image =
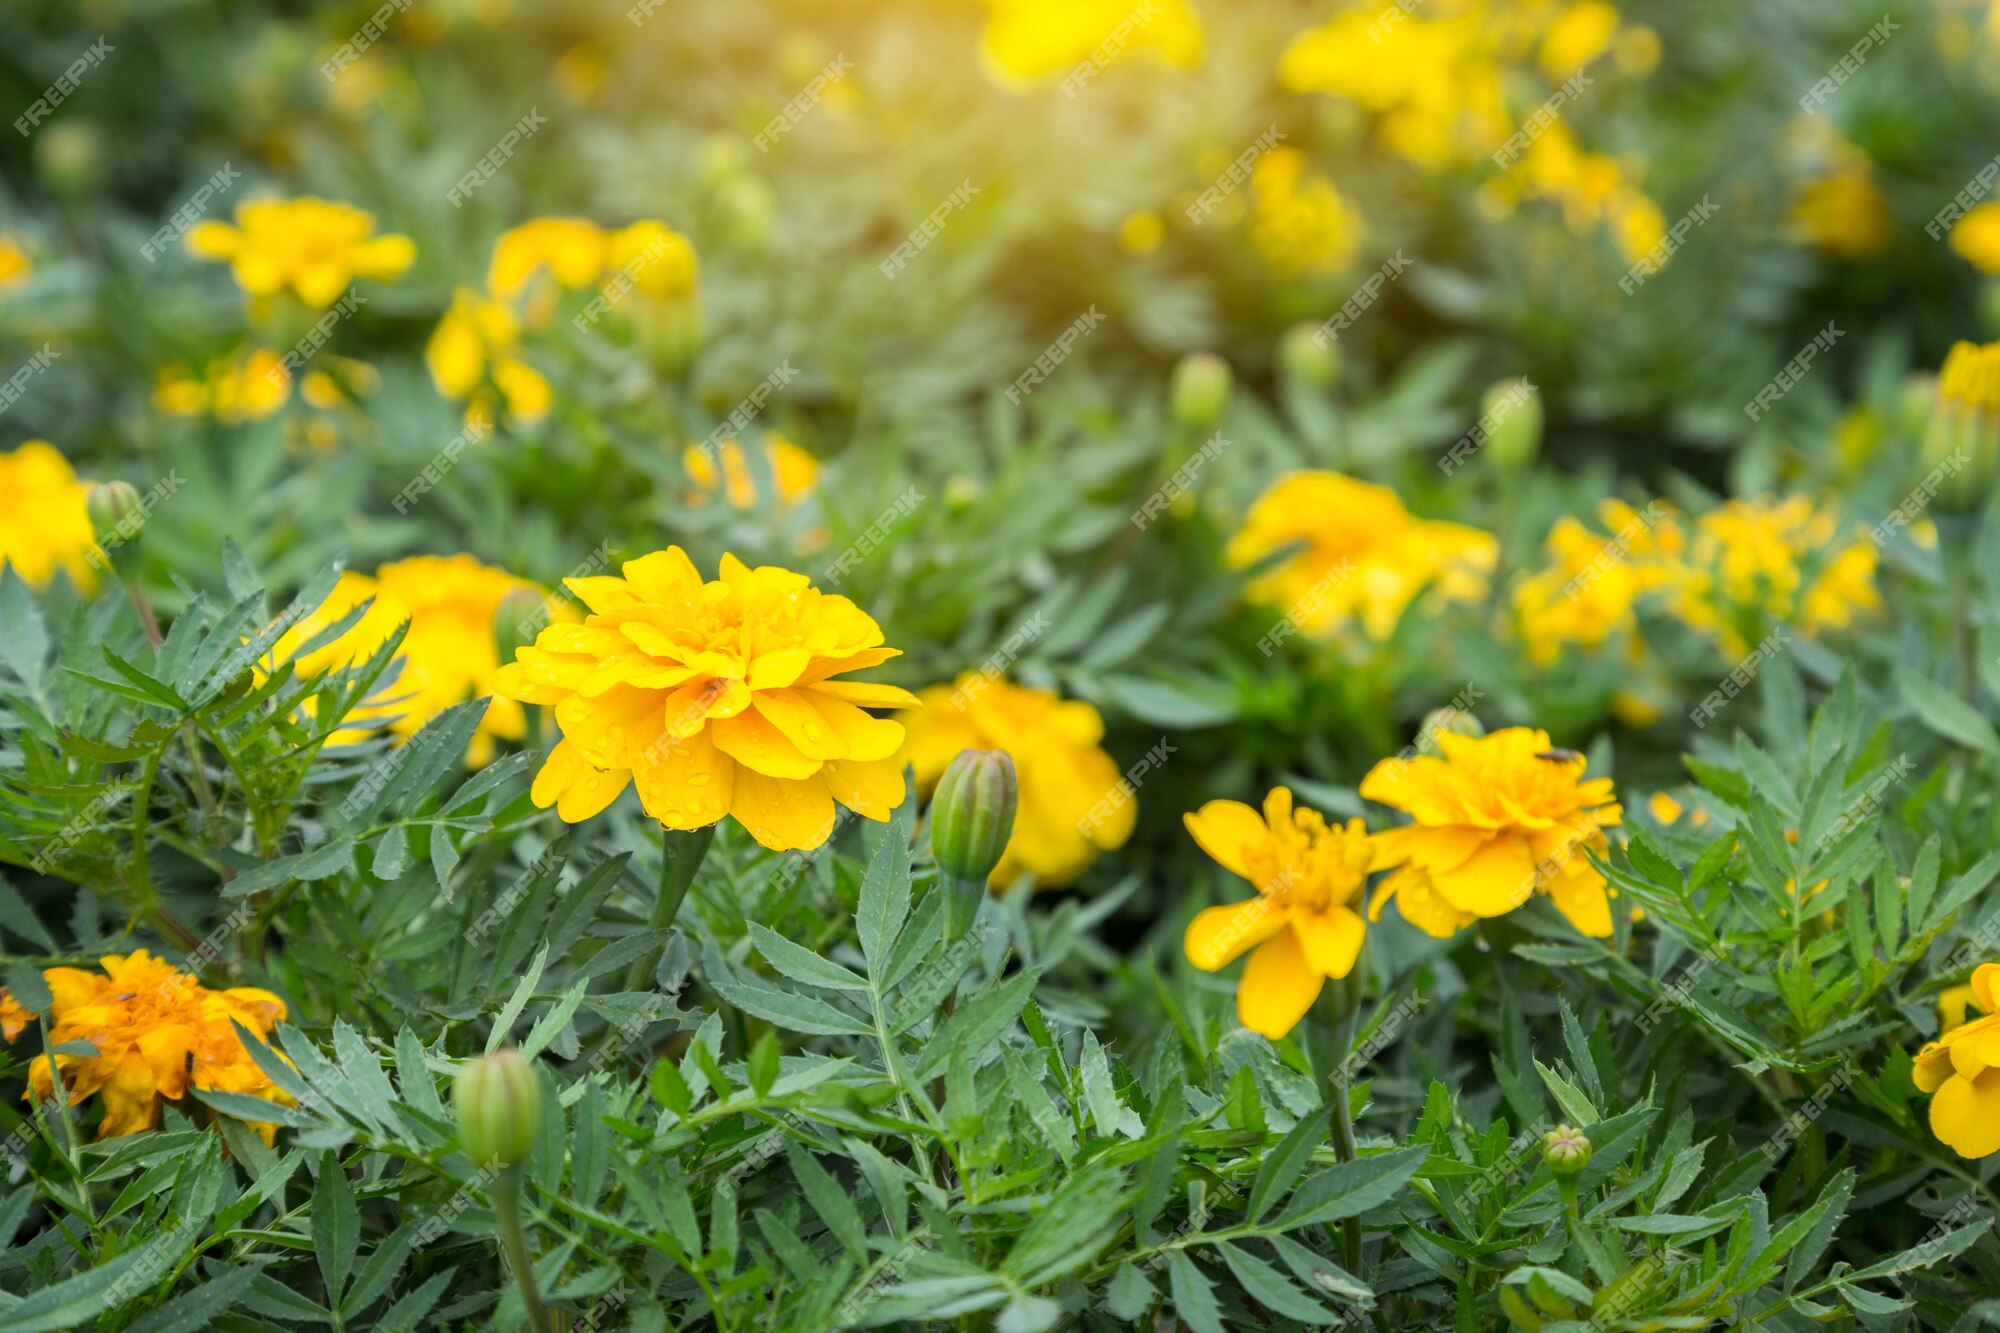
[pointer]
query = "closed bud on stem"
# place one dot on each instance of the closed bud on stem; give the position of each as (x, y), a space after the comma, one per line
(1961, 443)
(499, 1105)
(1200, 389)
(1309, 358)
(1566, 1151)
(1511, 413)
(972, 817)
(112, 506)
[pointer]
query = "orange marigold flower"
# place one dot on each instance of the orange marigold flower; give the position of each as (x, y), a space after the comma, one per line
(1962, 1071)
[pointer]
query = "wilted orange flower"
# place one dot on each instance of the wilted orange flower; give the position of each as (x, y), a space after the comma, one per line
(1497, 819)
(43, 523)
(1073, 803)
(714, 698)
(1302, 925)
(1366, 558)
(315, 247)
(1962, 1071)
(157, 1032)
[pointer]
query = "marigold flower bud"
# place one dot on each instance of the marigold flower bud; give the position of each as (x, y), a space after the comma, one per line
(1566, 1150)
(1511, 413)
(1308, 357)
(499, 1105)
(972, 814)
(1200, 389)
(111, 504)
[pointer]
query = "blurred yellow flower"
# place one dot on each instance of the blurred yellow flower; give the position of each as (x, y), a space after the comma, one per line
(1663, 807)
(1976, 237)
(1029, 40)
(661, 262)
(43, 523)
(1749, 563)
(157, 1031)
(1498, 819)
(1074, 803)
(571, 250)
(1577, 35)
(1298, 220)
(1962, 1071)
(356, 644)
(478, 338)
(1433, 82)
(1366, 558)
(15, 266)
(314, 247)
(1141, 233)
(1587, 594)
(1302, 925)
(249, 386)
(1836, 207)
(716, 699)
(1591, 189)
(792, 471)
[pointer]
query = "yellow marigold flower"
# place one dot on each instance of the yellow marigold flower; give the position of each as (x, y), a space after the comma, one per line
(14, 1019)
(1578, 35)
(1298, 220)
(1962, 1071)
(661, 262)
(1663, 807)
(1843, 215)
(15, 266)
(714, 698)
(1976, 237)
(1073, 802)
(246, 387)
(1366, 558)
(478, 338)
(1141, 233)
(1497, 819)
(157, 1032)
(1029, 40)
(1585, 596)
(572, 250)
(1752, 562)
(1302, 925)
(43, 523)
(793, 472)
(315, 247)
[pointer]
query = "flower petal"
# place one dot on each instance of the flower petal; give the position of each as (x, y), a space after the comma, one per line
(686, 783)
(1965, 1115)
(784, 814)
(1278, 986)
(1218, 936)
(1227, 830)
(1331, 940)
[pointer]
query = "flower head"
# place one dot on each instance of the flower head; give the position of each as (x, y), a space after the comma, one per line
(1976, 236)
(1302, 928)
(157, 1032)
(569, 250)
(1961, 1069)
(314, 247)
(714, 698)
(1751, 562)
(1497, 819)
(1072, 804)
(1297, 218)
(479, 340)
(1029, 40)
(792, 473)
(249, 386)
(1366, 558)
(44, 525)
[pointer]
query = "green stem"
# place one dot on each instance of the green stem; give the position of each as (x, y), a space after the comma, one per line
(1608, 1269)
(506, 1196)
(1333, 1055)
(681, 854)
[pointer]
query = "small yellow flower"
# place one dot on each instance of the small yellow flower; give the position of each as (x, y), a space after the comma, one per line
(1141, 233)
(716, 699)
(1750, 563)
(1962, 1071)
(1663, 808)
(1302, 925)
(1029, 40)
(1498, 819)
(1585, 596)
(1836, 207)
(1976, 237)
(15, 266)
(249, 386)
(314, 247)
(1298, 220)
(1073, 803)
(1366, 558)
(480, 339)
(793, 472)
(157, 1032)
(1578, 35)
(661, 261)
(43, 523)
(571, 250)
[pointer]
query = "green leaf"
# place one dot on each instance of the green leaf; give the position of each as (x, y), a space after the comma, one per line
(1350, 1188)
(885, 893)
(1194, 1298)
(1575, 1105)
(1947, 714)
(1285, 1163)
(336, 1225)
(25, 984)
(979, 1023)
(1270, 1288)
(802, 964)
(763, 1063)
(503, 1024)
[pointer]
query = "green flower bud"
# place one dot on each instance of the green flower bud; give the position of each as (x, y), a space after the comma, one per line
(1566, 1151)
(518, 618)
(114, 511)
(1455, 720)
(1511, 415)
(1309, 357)
(972, 814)
(1200, 389)
(499, 1105)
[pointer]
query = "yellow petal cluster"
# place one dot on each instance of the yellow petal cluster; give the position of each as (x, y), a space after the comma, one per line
(1494, 821)
(1584, 596)
(576, 253)
(1297, 219)
(1302, 928)
(314, 248)
(15, 266)
(477, 344)
(1591, 189)
(1836, 207)
(792, 471)
(714, 698)
(44, 526)
(1073, 801)
(157, 1032)
(1751, 562)
(1027, 41)
(1961, 1069)
(1976, 237)
(249, 386)
(448, 656)
(1365, 559)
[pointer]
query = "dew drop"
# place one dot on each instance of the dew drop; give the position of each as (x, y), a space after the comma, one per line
(697, 780)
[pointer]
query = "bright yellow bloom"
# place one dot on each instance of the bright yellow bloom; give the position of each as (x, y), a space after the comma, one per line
(1298, 220)
(1585, 596)
(1962, 1069)
(793, 472)
(157, 1031)
(1366, 558)
(43, 523)
(660, 261)
(1578, 35)
(1663, 807)
(15, 266)
(475, 339)
(1752, 562)
(249, 386)
(1073, 801)
(1976, 237)
(1302, 924)
(1497, 819)
(315, 247)
(714, 698)
(1029, 40)
(1970, 378)
(1591, 189)
(571, 250)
